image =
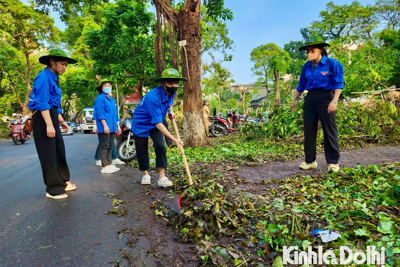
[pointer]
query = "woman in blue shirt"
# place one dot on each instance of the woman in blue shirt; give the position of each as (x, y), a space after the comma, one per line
(323, 78)
(44, 101)
(147, 120)
(107, 122)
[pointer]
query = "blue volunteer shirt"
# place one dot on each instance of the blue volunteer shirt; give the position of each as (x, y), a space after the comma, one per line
(45, 92)
(152, 110)
(106, 109)
(318, 77)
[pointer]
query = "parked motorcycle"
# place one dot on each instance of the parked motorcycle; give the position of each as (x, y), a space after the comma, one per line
(219, 126)
(17, 133)
(126, 149)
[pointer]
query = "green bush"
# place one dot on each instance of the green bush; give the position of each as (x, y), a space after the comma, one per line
(4, 130)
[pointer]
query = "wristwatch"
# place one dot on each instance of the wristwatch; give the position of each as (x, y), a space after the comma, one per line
(334, 101)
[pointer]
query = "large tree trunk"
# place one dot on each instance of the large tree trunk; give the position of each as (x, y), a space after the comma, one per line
(277, 92)
(189, 29)
(219, 100)
(27, 83)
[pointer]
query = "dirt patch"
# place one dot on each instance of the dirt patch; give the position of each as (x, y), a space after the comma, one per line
(149, 241)
(256, 175)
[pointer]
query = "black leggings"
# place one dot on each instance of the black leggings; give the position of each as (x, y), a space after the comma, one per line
(142, 150)
(51, 152)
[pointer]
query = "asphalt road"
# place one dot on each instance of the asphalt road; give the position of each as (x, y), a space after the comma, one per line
(37, 231)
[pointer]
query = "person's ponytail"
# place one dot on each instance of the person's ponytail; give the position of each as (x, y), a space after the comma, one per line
(323, 51)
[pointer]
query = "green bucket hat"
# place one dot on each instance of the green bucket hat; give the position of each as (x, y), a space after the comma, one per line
(314, 40)
(170, 74)
(58, 53)
(103, 81)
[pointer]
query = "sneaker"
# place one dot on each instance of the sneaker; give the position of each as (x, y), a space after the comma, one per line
(164, 182)
(146, 179)
(118, 162)
(108, 170)
(114, 167)
(98, 163)
(306, 166)
(333, 167)
(57, 196)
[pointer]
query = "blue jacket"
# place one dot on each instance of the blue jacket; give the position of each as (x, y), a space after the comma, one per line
(152, 110)
(319, 77)
(45, 92)
(106, 109)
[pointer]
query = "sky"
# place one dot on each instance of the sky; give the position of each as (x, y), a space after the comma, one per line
(258, 22)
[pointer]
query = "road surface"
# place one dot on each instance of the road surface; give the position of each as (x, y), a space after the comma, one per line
(37, 231)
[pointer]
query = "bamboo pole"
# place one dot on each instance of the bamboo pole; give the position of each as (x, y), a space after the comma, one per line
(183, 154)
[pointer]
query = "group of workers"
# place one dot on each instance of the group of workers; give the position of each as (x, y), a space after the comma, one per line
(321, 76)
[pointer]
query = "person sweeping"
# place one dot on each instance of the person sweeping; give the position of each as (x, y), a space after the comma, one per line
(323, 77)
(147, 122)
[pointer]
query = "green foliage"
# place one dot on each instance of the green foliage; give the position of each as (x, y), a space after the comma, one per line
(123, 47)
(361, 203)
(4, 130)
(346, 22)
(26, 28)
(270, 61)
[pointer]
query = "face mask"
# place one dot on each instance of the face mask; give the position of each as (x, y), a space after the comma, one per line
(171, 90)
(107, 90)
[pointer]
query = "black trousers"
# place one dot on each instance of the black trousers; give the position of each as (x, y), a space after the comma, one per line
(106, 144)
(51, 152)
(316, 108)
(142, 150)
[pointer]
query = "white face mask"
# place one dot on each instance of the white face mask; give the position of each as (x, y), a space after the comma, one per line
(107, 90)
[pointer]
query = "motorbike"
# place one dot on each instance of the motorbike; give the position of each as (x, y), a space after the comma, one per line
(126, 149)
(17, 133)
(219, 126)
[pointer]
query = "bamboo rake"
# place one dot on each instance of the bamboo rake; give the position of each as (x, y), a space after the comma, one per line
(183, 155)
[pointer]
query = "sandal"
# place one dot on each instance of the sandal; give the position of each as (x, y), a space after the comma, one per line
(57, 196)
(70, 187)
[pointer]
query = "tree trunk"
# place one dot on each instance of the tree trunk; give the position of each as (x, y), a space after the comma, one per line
(16, 94)
(219, 100)
(27, 83)
(266, 84)
(277, 92)
(189, 29)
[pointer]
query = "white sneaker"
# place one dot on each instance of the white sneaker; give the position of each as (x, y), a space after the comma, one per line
(164, 182)
(98, 163)
(108, 170)
(118, 162)
(334, 167)
(306, 166)
(114, 167)
(146, 179)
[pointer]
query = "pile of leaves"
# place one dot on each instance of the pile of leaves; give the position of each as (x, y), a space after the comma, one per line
(357, 125)
(232, 228)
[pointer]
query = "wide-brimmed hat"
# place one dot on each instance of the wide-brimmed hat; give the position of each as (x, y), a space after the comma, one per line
(314, 41)
(103, 81)
(58, 54)
(170, 74)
